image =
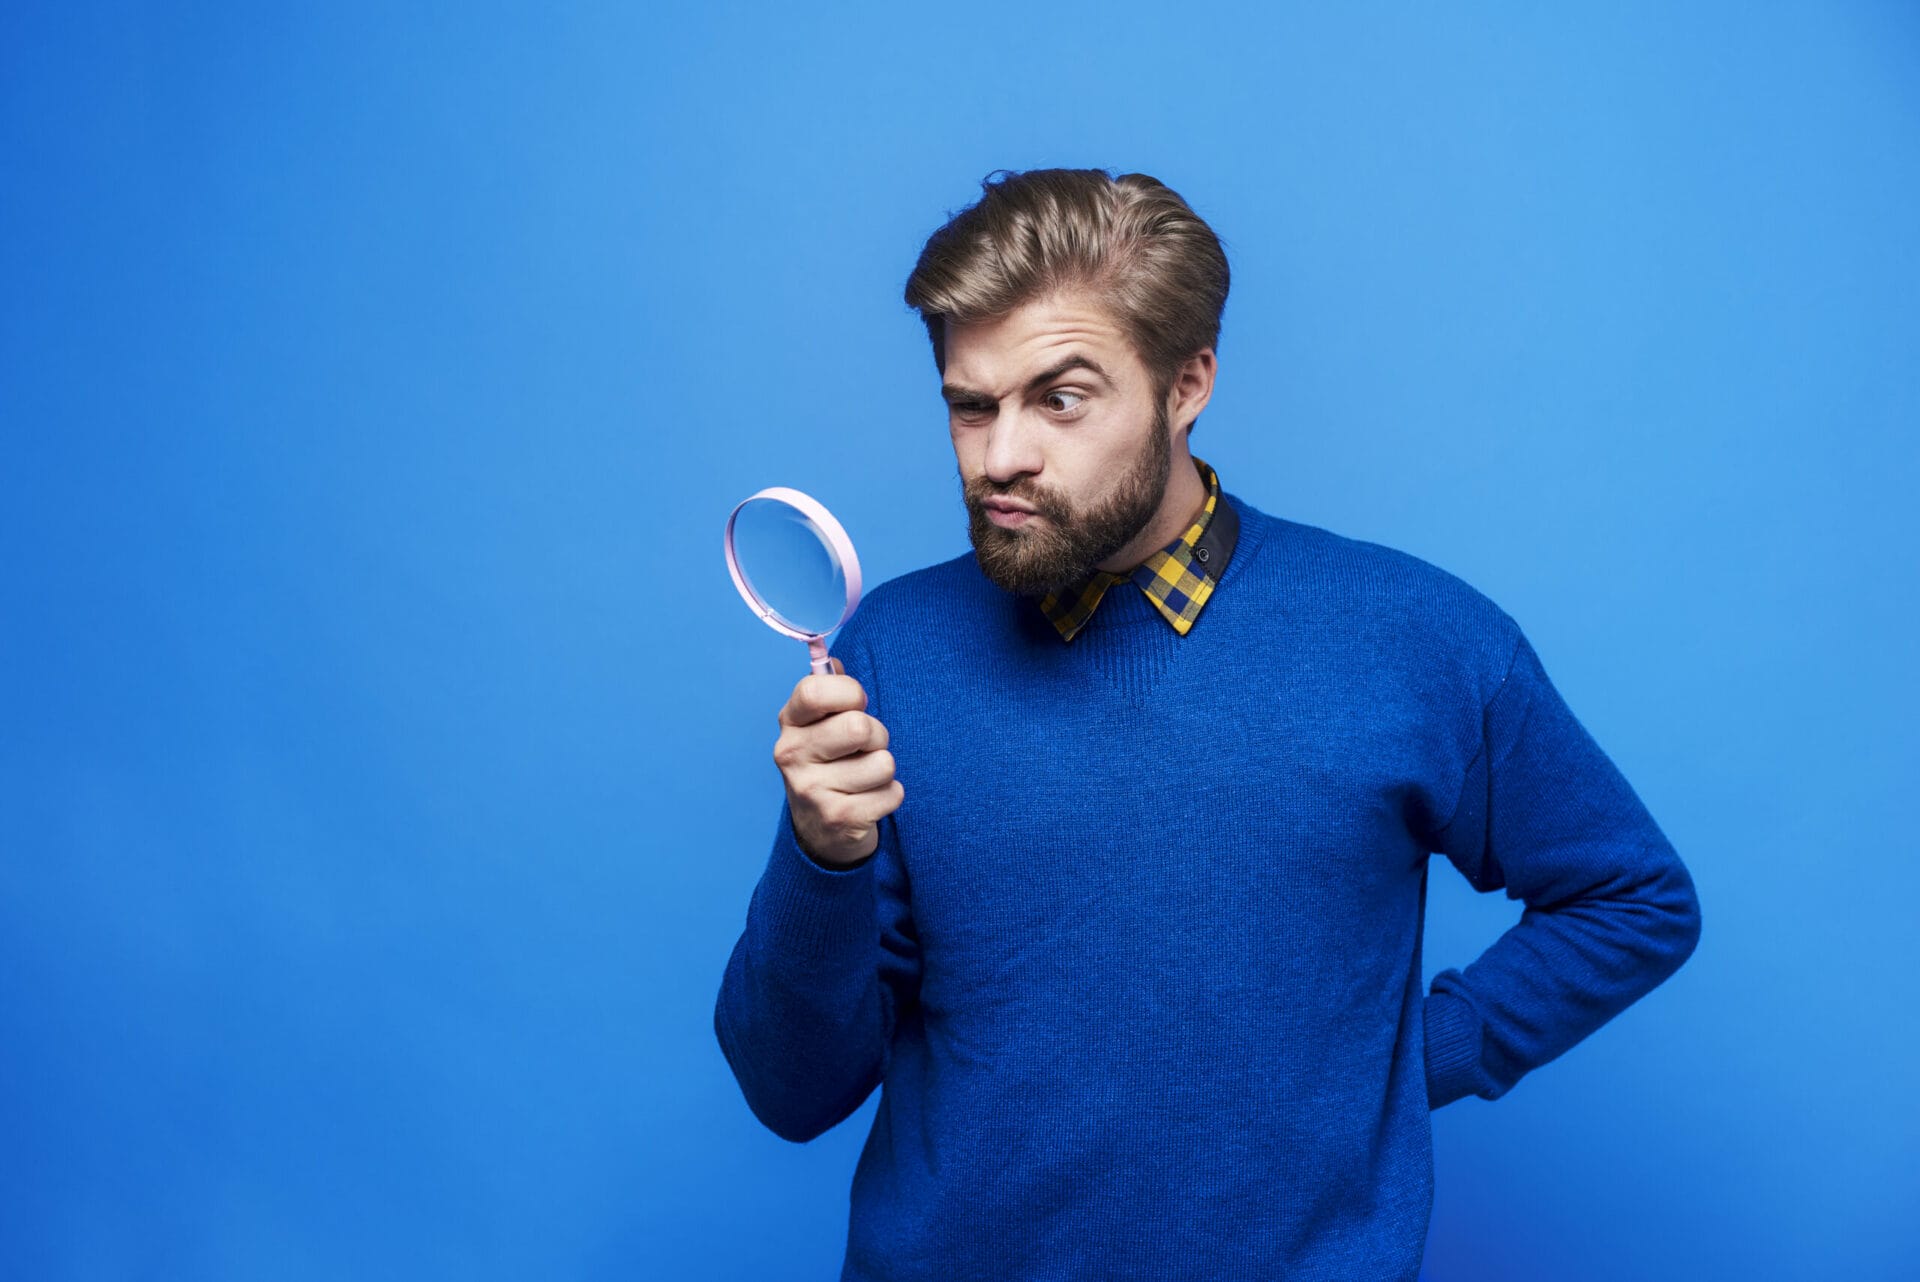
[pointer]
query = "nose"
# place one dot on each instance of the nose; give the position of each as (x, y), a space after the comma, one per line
(1012, 448)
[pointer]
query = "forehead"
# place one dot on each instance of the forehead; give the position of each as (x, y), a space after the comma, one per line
(994, 354)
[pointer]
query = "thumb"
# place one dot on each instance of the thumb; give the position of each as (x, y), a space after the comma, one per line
(836, 665)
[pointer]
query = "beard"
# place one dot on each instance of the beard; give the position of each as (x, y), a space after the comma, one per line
(1058, 547)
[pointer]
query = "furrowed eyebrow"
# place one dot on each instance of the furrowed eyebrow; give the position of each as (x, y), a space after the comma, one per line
(953, 392)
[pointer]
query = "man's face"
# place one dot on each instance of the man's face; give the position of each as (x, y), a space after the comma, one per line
(1051, 410)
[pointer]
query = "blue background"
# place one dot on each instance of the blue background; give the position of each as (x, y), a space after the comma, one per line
(385, 754)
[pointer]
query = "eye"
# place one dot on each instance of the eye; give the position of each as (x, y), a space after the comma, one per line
(1062, 402)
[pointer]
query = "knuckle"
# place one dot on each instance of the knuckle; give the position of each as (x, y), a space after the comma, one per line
(859, 731)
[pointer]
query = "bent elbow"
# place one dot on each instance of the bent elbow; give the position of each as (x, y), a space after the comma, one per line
(1691, 938)
(1680, 900)
(794, 1130)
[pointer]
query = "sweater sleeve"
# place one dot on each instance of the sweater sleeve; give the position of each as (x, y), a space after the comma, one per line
(826, 964)
(1610, 911)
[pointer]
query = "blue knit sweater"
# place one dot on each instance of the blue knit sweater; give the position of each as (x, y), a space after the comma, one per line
(1138, 957)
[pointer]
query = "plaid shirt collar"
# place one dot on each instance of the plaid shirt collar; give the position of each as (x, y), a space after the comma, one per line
(1179, 578)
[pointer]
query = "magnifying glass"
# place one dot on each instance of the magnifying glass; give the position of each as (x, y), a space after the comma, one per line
(805, 579)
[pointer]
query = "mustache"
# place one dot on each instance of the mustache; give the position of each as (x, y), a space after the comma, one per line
(1038, 502)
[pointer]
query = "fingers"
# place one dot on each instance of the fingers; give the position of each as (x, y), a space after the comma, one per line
(820, 695)
(843, 810)
(862, 773)
(844, 734)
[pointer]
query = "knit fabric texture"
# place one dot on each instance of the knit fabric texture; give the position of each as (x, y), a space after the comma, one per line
(1137, 961)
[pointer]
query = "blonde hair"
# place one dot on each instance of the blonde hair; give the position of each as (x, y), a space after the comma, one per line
(1130, 239)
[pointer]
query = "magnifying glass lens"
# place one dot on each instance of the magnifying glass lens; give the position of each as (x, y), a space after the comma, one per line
(789, 565)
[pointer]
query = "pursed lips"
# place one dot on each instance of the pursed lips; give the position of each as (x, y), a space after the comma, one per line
(1010, 518)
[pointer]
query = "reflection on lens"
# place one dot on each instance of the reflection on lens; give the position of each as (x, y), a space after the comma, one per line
(789, 565)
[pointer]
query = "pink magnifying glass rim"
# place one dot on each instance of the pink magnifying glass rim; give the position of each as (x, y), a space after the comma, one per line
(837, 540)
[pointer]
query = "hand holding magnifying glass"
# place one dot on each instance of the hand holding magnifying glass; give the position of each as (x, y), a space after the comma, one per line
(804, 582)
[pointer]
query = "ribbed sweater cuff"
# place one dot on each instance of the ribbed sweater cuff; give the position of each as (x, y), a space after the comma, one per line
(1453, 1048)
(814, 912)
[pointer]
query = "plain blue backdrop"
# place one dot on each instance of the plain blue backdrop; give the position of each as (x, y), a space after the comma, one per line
(385, 754)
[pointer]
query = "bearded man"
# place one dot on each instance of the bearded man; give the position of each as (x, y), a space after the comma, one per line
(1104, 848)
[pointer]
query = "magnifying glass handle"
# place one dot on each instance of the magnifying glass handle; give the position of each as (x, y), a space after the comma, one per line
(822, 665)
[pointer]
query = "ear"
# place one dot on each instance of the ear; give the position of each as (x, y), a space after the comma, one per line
(1192, 388)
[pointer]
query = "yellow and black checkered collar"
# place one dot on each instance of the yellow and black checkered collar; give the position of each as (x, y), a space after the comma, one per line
(1179, 578)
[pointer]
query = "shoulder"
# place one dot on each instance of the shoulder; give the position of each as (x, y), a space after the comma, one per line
(1387, 591)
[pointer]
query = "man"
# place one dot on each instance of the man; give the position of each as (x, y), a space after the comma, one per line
(1105, 847)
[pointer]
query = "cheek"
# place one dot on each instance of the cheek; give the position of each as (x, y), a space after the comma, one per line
(1097, 484)
(971, 465)
(968, 460)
